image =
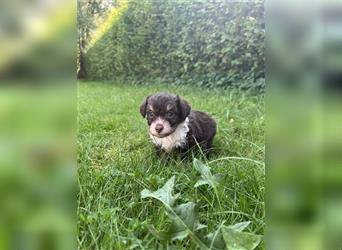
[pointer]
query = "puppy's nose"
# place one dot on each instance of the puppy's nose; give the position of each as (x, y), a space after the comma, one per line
(159, 128)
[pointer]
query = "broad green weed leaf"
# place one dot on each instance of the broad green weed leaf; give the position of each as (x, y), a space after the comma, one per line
(188, 215)
(200, 226)
(163, 236)
(236, 240)
(184, 220)
(163, 194)
(200, 183)
(186, 212)
(206, 177)
(240, 226)
(215, 240)
(181, 235)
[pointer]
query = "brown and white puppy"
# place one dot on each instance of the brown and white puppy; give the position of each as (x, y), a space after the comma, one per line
(173, 125)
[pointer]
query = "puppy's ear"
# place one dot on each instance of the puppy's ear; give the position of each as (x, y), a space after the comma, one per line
(184, 107)
(143, 107)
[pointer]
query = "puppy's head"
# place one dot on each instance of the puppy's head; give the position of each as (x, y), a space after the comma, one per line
(164, 112)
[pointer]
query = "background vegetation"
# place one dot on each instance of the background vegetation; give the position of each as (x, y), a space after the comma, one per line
(204, 43)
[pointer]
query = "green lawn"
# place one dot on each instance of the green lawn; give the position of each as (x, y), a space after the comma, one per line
(116, 161)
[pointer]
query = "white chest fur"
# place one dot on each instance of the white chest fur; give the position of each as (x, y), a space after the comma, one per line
(175, 140)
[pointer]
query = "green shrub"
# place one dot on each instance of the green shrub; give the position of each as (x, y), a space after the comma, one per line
(206, 43)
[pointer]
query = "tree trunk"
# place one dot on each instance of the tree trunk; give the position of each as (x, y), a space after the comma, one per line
(81, 72)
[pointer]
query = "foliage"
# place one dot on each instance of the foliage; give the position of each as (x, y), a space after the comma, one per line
(89, 14)
(207, 177)
(185, 223)
(205, 43)
(116, 161)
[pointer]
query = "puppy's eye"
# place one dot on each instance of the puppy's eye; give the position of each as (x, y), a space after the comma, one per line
(170, 114)
(150, 114)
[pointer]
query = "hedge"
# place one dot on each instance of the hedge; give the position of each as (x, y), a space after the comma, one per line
(206, 43)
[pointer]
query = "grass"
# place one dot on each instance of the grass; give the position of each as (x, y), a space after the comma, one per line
(116, 161)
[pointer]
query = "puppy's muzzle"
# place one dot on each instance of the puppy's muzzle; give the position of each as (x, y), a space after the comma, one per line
(159, 128)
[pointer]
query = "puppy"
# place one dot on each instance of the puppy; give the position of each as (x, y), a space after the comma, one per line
(173, 125)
